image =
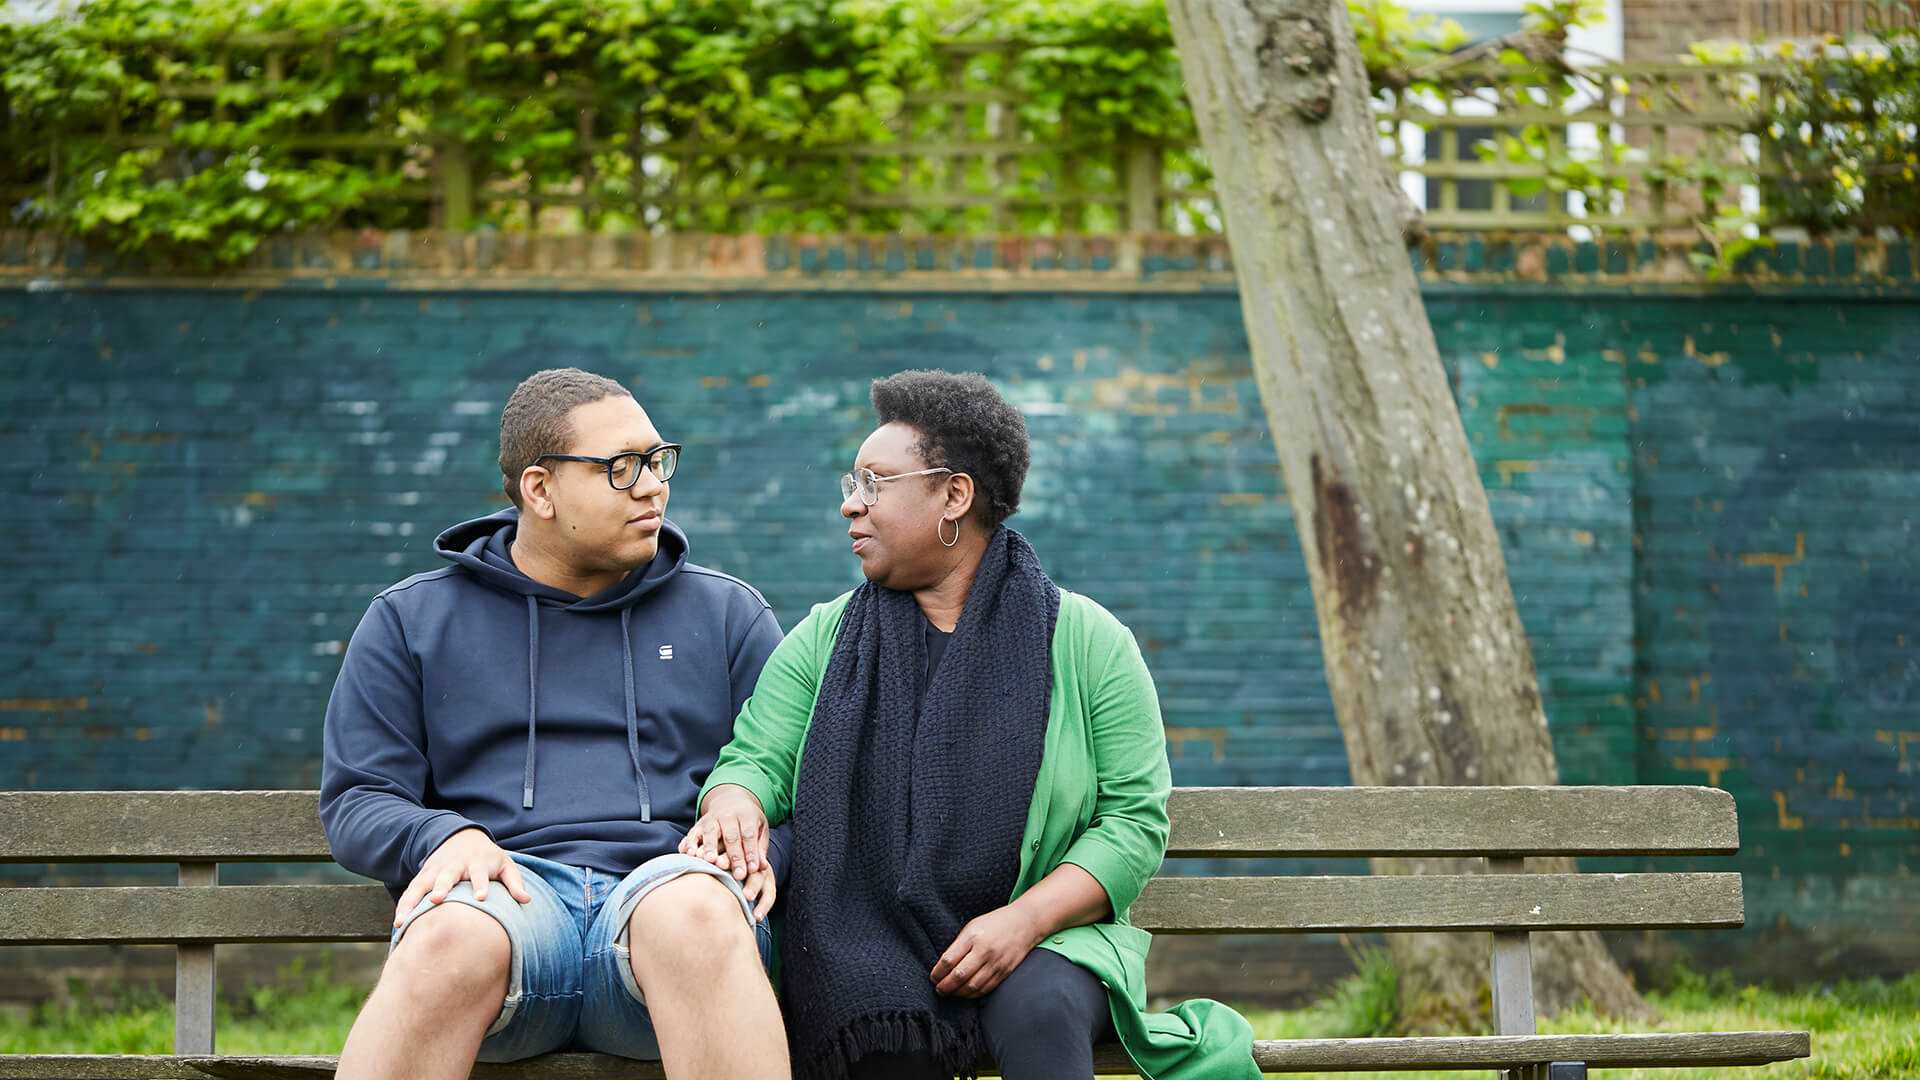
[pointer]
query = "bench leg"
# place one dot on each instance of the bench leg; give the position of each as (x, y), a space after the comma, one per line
(1558, 1070)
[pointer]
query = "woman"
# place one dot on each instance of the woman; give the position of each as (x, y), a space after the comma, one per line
(975, 770)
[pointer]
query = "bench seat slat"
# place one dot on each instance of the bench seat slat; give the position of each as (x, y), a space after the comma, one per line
(161, 915)
(1281, 1056)
(284, 826)
(1657, 1050)
(1500, 822)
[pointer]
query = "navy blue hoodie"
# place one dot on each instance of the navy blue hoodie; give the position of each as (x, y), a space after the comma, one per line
(577, 730)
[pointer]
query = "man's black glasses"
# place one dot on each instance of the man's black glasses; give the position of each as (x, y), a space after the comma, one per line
(623, 470)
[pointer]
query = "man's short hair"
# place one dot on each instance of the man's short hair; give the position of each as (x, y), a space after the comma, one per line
(537, 419)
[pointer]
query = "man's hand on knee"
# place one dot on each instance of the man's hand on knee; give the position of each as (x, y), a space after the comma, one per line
(468, 855)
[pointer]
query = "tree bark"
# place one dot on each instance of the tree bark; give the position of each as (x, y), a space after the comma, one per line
(1431, 675)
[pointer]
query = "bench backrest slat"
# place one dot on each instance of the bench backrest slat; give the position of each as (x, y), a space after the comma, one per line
(219, 914)
(1453, 821)
(262, 913)
(1447, 902)
(283, 826)
(161, 826)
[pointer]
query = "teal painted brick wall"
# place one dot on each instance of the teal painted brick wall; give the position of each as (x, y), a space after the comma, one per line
(1545, 412)
(211, 484)
(1777, 480)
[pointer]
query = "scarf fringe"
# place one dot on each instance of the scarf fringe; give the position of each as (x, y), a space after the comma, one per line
(893, 1031)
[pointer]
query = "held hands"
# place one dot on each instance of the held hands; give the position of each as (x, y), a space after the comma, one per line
(987, 951)
(468, 855)
(759, 890)
(732, 835)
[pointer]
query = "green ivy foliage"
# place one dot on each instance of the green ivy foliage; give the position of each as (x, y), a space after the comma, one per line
(103, 145)
(188, 132)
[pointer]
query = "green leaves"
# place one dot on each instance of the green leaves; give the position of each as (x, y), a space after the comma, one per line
(199, 129)
(117, 209)
(600, 104)
(1835, 127)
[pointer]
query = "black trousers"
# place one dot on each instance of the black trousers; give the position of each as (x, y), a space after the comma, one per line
(1041, 1023)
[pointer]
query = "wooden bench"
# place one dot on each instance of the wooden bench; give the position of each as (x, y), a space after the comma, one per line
(200, 830)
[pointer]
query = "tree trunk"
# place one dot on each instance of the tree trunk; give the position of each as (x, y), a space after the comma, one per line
(1431, 675)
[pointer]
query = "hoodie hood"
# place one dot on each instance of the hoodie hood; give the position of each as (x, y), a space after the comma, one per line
(481, 548)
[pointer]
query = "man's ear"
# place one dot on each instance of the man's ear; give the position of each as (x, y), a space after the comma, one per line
(535, 500)
(959, 496)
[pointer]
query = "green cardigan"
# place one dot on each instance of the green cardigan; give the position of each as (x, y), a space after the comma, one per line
(1099, 802)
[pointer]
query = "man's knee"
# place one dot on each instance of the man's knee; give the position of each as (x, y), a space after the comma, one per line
(694, 915)
(454, 950)
(696, 904)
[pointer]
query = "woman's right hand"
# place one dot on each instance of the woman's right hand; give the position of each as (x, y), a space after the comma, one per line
(731, 832)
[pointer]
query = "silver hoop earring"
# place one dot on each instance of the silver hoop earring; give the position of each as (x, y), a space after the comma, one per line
(941, 529)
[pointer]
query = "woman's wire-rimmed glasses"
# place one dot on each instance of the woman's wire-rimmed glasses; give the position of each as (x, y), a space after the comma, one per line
(867, 483)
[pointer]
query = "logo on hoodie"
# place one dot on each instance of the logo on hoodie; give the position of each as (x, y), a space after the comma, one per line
(666, 652)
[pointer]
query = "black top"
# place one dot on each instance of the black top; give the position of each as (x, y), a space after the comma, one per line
(936, 648)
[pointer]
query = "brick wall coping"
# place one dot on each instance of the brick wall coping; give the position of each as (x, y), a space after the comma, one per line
(487, 260)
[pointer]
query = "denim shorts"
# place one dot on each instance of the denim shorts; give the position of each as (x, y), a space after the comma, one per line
(571, 984)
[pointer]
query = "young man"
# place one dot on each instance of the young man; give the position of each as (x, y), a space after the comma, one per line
(514, 746)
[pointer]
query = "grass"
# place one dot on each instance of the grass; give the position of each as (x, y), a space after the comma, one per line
(305, 1011)
(1867, 1030)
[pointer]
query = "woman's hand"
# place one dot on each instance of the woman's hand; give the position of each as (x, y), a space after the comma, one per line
(759, 890)
(987, 951)
(731, 832)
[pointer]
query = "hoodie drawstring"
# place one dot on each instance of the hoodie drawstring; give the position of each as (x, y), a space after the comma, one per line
(633, 722)
(533, 696)
(533, 705)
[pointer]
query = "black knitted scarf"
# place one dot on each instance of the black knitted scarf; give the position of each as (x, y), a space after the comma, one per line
(905, 826)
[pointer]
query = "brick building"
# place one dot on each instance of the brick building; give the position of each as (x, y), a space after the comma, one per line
(1647, 30)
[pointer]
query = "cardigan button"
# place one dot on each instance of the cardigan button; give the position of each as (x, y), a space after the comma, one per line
(1059, 941)
(1035, 845)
